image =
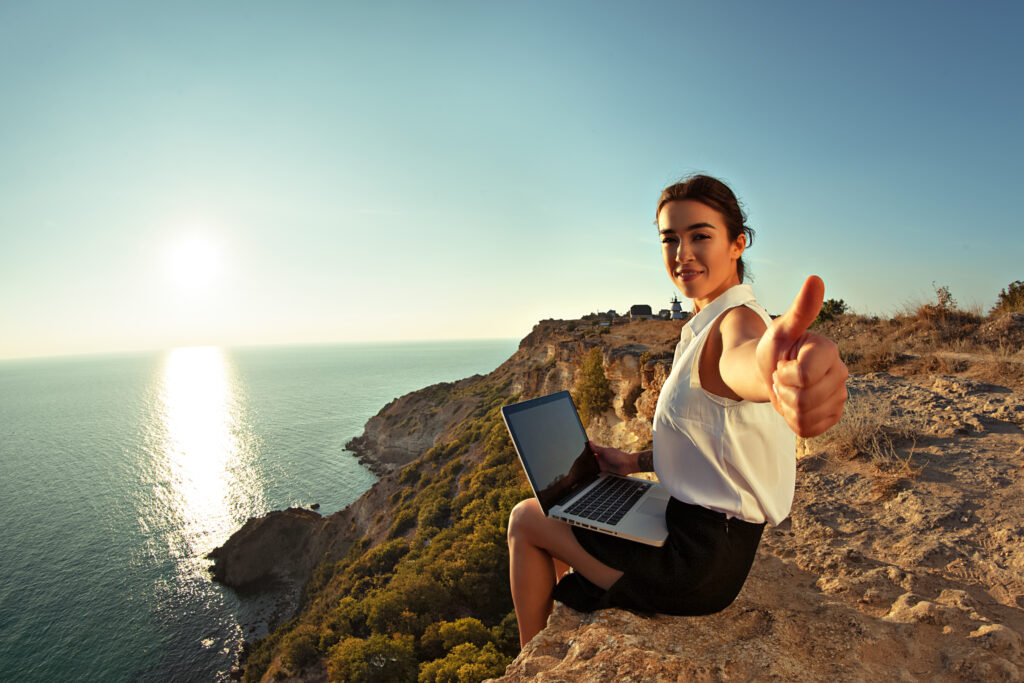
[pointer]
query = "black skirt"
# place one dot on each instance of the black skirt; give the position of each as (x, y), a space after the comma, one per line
(700, 569)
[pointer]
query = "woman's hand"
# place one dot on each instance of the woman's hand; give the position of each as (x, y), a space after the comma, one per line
(613, 460)
(805, 377)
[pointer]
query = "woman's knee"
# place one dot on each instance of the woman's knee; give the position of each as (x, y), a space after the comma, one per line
(523, 519)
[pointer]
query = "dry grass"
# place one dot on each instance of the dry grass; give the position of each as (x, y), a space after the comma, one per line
(871, 428)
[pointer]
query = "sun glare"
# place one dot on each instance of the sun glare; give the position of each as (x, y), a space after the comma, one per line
(194, 263)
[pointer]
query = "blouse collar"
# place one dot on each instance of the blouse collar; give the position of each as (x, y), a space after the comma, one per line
(730, 298)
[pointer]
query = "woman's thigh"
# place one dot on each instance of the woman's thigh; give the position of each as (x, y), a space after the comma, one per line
(529, 524)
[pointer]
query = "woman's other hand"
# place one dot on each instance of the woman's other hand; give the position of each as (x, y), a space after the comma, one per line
(613, 460)
(806, 378)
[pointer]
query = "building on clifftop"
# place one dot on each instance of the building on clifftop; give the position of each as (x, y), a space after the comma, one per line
(640, 312)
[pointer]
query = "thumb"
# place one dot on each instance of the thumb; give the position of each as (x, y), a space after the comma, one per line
(793, 323)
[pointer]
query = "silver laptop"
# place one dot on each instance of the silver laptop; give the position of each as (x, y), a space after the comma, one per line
(563, 472)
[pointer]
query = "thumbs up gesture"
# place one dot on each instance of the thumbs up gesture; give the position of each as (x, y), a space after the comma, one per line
(805, 377)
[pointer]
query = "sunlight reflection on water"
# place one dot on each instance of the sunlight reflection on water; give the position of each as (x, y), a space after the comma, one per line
(209, 481)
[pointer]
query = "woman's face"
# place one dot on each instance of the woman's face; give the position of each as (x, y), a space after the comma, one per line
(699, 257)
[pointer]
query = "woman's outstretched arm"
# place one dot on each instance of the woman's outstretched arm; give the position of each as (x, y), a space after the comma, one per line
(798, 371)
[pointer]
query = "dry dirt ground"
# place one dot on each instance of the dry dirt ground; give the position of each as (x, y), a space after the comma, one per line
(902, 560)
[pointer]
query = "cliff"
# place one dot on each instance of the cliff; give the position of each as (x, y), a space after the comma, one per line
(906, 569)
(901, 558)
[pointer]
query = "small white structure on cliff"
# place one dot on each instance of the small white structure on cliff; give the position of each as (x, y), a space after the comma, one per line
(677, 309)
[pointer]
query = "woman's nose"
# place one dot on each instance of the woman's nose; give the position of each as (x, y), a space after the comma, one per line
(682, 251)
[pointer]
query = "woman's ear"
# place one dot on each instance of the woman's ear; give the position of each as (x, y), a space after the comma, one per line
(738, 246)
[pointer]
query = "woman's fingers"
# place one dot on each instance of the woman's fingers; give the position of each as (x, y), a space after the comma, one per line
(811, 411)
(810, 390)
(815, 357)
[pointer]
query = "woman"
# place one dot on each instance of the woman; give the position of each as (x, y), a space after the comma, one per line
(741, 385)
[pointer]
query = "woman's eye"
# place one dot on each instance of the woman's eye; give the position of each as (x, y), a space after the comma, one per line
(701, 236)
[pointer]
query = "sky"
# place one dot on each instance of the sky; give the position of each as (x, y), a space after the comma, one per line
(243, 173)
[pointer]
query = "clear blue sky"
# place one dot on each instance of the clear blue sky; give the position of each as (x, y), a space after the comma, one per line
(365, 171)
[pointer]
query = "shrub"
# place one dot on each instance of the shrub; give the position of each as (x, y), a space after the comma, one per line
(944, 304)
(830, 309)
(467, 663)
(1010, 299)
(465, 630)
(434, 513)
(593, 394)
(506, 634)
(375, 659)
(382, 559)
(410, 475)
(299, 647)
(871, 427)
(404, 520)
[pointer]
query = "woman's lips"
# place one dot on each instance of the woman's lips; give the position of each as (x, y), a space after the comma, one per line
(688, 275)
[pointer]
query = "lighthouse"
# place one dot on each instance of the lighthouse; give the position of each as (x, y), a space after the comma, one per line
(677, 309)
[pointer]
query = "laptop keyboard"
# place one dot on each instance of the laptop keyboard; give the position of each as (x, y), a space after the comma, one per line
(610, 500)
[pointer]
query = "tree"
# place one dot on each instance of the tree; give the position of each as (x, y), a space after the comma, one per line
(593, 394)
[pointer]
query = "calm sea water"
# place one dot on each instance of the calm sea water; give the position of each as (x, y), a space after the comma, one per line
(119, 473)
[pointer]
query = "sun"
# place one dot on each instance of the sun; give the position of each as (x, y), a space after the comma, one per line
(194, 263)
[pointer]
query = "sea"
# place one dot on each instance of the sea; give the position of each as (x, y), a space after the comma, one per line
(119, 473)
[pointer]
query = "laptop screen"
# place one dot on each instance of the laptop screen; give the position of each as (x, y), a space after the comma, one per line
(552, 444)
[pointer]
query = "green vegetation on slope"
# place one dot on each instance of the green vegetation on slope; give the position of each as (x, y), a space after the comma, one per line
(432, 601)
(593, 393)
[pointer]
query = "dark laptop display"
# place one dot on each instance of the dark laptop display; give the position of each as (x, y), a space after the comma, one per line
(550, 438)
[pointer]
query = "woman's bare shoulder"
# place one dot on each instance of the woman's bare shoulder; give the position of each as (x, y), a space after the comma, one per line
(740, 324)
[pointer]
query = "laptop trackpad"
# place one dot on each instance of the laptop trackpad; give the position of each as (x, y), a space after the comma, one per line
(655, 507)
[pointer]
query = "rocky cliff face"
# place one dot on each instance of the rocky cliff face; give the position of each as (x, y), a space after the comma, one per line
(548, 360)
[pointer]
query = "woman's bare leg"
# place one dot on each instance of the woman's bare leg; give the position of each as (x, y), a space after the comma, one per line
(540, 551)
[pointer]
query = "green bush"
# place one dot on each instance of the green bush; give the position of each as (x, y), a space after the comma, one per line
(465, 630)
(377, 659)
(299, 648)
(404, 520)
(466, 663)
(382, 559)
(434, 513)
(410, 475)
(830, 309)
(593, 393)
(1010, 299)
(505, 634)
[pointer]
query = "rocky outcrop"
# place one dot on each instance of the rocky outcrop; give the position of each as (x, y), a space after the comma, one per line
(884, 571)
(269, 550)
(410, 425)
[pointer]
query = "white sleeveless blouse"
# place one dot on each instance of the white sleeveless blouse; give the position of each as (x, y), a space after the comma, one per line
(736, 457)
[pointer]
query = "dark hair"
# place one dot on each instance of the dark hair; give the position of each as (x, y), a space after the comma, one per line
(715, 194)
